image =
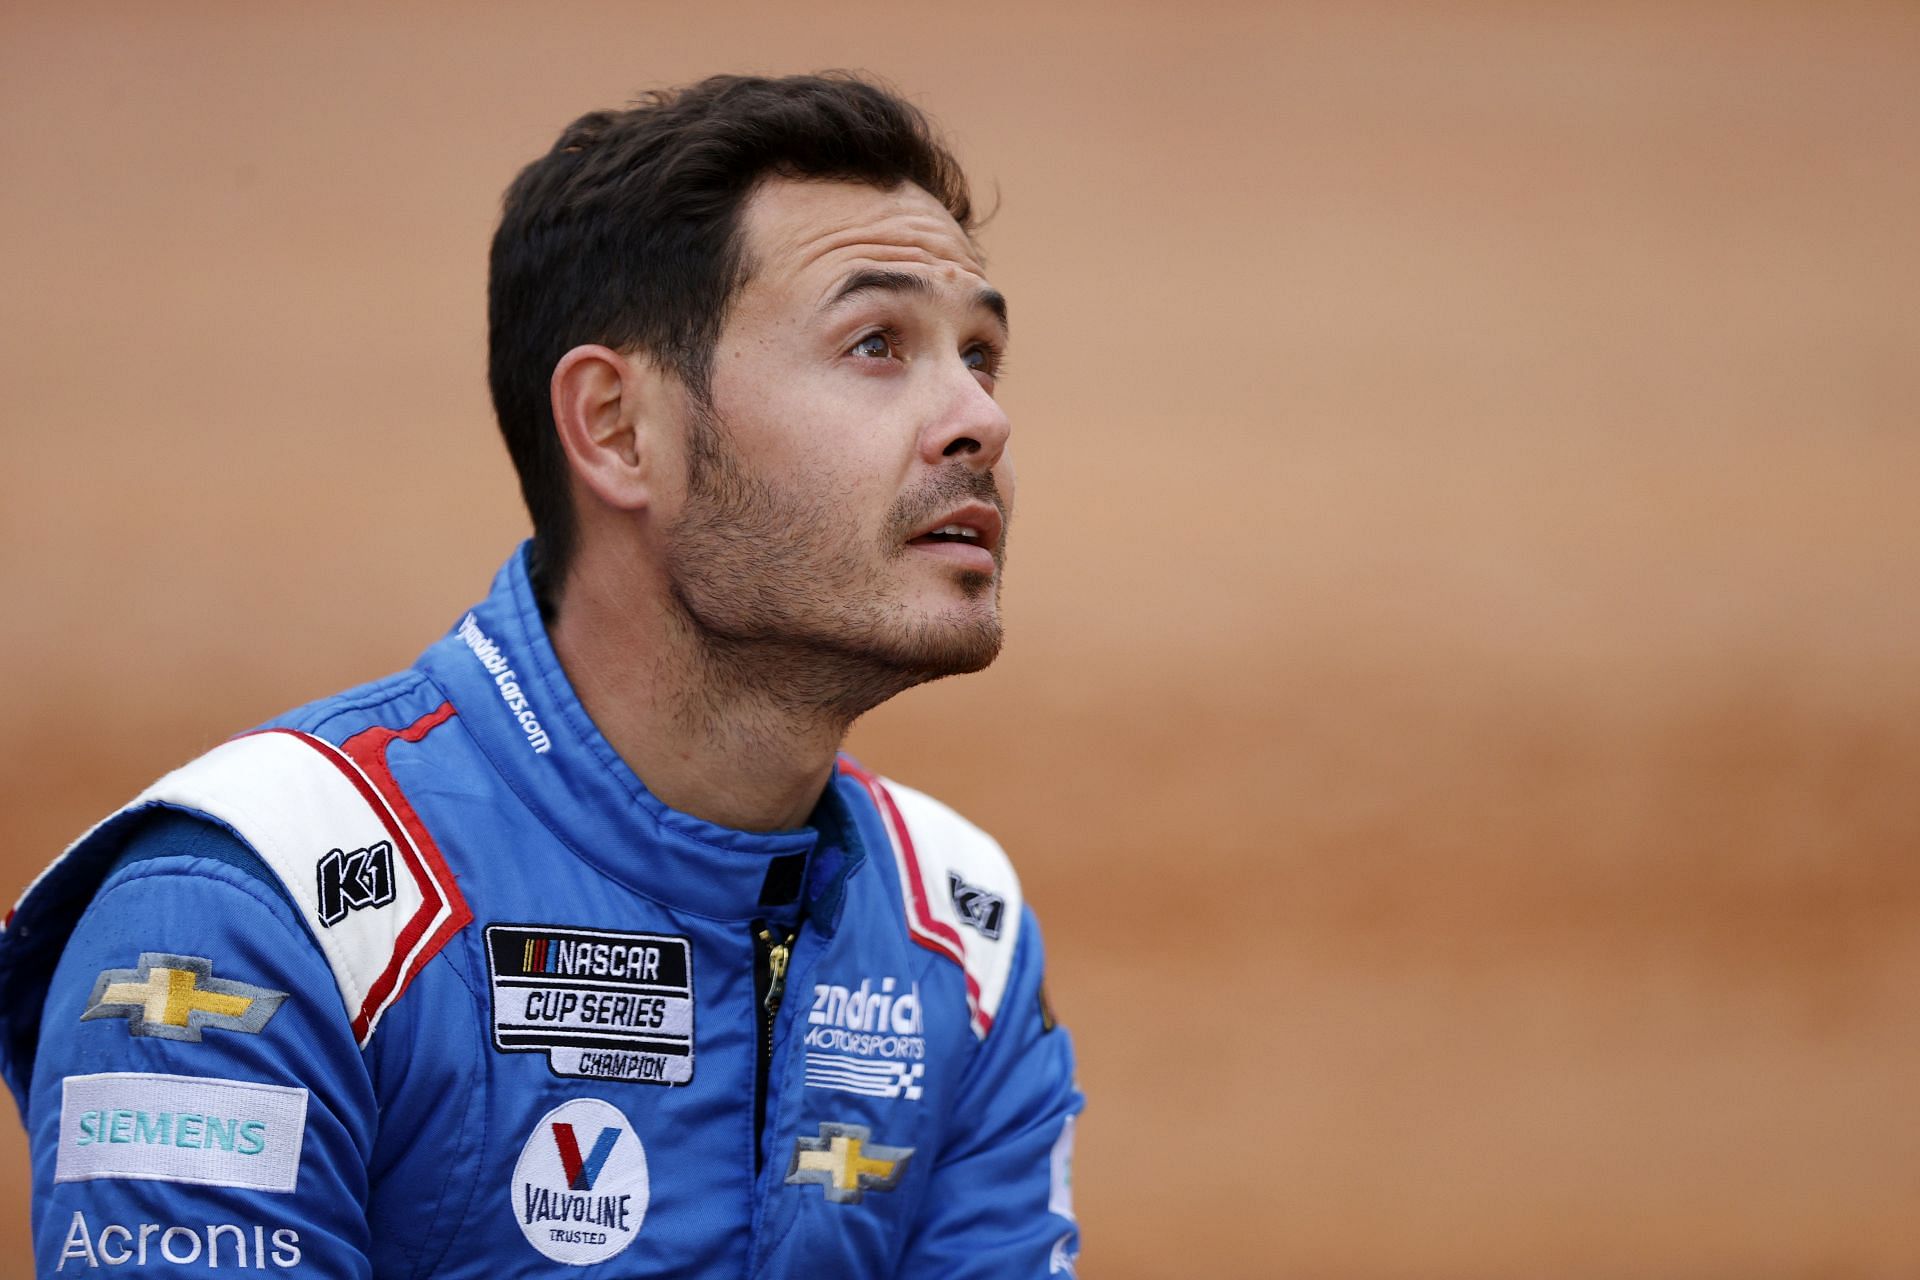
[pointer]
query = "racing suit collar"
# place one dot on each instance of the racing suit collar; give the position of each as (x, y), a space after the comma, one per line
(499, 669)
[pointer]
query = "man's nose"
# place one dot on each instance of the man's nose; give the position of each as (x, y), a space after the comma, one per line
(970, 424)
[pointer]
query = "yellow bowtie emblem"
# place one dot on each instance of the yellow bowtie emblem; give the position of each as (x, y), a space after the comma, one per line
(847, 1162)
(176, 997)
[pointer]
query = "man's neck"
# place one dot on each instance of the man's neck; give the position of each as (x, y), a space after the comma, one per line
(741, 735)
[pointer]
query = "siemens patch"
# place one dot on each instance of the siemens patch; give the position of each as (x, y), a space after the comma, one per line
(165, 1128)
(601, 1005)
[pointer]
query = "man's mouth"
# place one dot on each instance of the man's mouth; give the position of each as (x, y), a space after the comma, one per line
(969, 535)
(951, 533)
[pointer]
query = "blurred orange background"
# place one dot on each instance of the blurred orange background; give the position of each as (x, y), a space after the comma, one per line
(1461, 716)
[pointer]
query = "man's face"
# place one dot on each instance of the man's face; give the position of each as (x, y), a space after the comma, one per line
(848, 491)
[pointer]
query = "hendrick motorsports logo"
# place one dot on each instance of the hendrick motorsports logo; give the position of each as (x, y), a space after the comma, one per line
(580, 1188)
(864, 1041)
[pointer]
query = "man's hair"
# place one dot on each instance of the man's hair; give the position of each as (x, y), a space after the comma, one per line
(628, 234)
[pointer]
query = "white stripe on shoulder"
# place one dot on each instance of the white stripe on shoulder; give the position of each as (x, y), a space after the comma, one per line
(378, 903)
(961, 889)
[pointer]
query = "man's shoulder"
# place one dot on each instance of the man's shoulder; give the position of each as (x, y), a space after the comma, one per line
(310, 773)
(281, 758)
(305, 804)
(949, 841)
(959, 894)
(943, 828)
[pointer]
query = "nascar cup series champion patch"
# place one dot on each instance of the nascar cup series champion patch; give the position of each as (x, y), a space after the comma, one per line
(601, 1004)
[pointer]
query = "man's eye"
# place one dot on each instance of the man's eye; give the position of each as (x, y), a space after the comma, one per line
(876, 345)
(986, 359)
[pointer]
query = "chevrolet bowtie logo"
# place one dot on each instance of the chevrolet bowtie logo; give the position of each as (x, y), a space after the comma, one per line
(175, 997)
(846, 1164)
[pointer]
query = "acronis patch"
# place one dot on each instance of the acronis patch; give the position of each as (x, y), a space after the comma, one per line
(177, 997)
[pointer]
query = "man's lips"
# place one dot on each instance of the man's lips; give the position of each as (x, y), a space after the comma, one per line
(969, 533)
(972, 523)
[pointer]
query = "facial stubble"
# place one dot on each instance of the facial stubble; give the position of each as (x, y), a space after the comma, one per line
(784, 592)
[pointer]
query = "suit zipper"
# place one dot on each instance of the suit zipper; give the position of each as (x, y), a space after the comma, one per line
(773, 949)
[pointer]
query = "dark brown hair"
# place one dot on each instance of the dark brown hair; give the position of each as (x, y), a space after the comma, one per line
(627, 233)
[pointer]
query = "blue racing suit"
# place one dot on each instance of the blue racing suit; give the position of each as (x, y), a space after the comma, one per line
(420, 980)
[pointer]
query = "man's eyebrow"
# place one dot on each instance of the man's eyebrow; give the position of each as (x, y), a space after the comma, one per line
(880, 280)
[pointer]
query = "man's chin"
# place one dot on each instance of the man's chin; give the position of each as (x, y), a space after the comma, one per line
(929, 639)
(854, 673)
(950, 648)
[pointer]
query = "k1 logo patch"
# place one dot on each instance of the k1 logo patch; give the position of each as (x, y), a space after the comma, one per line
(601, 1005)
(975, 906)
(351, 881)
(580, 1189)
(177, 997)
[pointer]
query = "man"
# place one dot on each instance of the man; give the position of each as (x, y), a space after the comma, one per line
(578, 943)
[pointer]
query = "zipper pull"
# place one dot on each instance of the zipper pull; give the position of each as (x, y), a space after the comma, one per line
(777, 953)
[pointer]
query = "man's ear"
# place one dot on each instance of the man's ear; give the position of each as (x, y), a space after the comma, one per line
(604, 404)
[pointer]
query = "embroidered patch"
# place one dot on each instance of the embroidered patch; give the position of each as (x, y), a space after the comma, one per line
(1060, 1184)
(976, 907)
(176, 997)
(116, 1244)
(864, 1041)
(166, 1128)
(600, 1004)
(857, 1075)
(352, 881)
(844, 1162)
(580, 1188)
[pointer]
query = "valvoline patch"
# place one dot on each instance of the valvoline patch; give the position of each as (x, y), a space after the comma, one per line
(580, 1188)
